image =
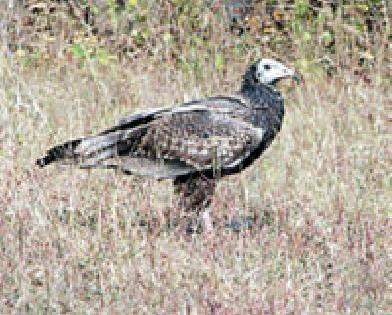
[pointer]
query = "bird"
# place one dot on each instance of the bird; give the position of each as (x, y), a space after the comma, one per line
(195, 143)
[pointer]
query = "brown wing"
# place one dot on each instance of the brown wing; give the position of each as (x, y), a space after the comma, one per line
(202, 139)
(168, 142)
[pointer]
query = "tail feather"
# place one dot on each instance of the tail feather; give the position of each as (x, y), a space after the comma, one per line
(87, 151)
(60, 152)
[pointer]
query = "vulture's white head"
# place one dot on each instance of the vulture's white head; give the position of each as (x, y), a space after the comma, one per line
(270, 71)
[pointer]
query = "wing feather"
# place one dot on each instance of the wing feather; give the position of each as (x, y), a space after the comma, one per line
(201, 139)
(168, 142)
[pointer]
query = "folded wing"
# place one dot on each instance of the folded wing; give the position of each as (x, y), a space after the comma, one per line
(169, 142)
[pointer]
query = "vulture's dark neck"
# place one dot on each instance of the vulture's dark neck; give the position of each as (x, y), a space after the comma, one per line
(268, 103)
(259, 91)
(262, 95)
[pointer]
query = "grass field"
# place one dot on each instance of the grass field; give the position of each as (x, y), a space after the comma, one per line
(71, 240)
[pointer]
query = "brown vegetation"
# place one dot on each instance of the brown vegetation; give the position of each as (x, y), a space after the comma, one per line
(73, 241)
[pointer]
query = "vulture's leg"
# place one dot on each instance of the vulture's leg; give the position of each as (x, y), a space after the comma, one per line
(194, 196)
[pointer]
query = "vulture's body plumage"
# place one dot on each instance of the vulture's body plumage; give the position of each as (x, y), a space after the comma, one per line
(193, 144)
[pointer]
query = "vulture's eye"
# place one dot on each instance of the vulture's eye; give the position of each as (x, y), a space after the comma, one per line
(267, 67)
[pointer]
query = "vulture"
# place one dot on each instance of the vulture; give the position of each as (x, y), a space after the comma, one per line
(195, 143)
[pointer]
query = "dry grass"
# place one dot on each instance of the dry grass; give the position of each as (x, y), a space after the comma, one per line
(70, 240)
